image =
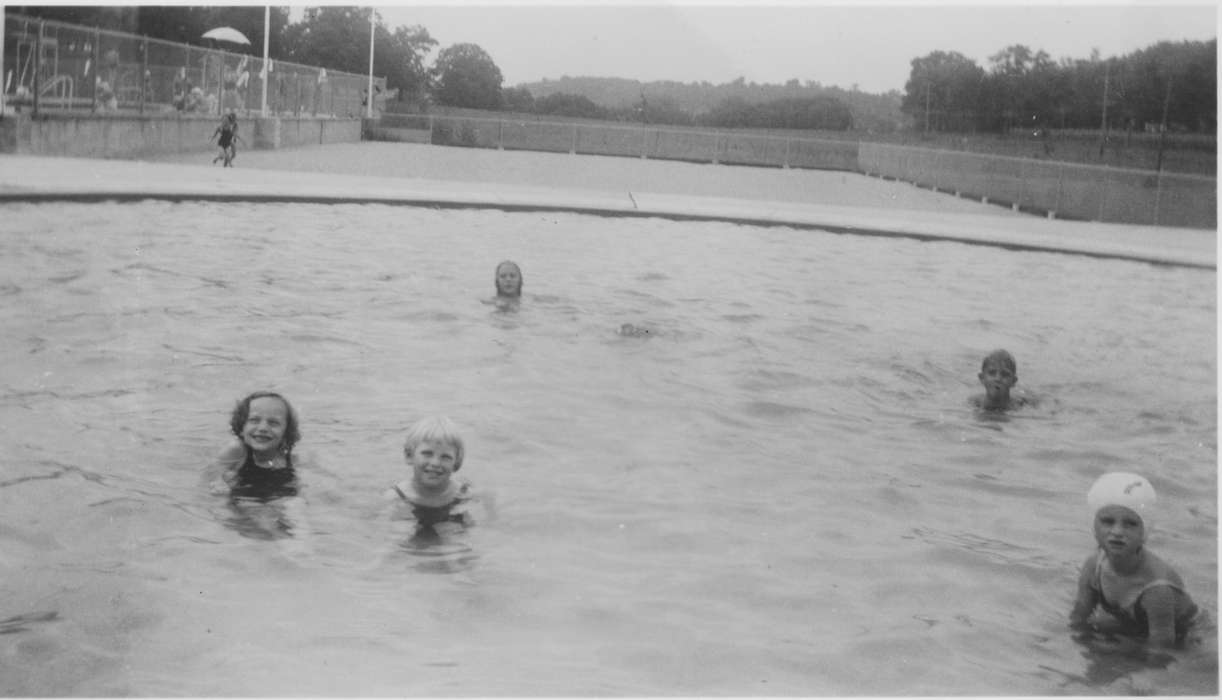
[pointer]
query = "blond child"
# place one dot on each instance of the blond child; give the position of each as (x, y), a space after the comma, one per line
(998, 374)
(1141, 594)
(433, 499)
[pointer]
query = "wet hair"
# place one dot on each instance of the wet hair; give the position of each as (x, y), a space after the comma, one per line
(242, 411)
(1002, 358)
(435, 429)
(496, 277)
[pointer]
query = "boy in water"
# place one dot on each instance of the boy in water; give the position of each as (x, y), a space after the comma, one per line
(1141, 593)
(435, 501)
(998, 374)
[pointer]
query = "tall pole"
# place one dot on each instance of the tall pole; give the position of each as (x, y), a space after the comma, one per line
(369, 93)
(267, 31)
(1162, 135)
(1107, 73)
(2, 85)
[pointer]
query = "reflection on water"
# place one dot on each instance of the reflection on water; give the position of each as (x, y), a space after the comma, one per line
(261, 519)
(780, 488)
(440, 549)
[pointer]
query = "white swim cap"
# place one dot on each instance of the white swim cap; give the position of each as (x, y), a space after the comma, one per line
(1123, 489)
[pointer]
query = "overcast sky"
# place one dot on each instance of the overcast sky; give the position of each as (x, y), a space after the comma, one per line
(869, 44)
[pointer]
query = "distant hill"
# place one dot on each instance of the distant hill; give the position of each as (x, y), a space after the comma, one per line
(876, 113)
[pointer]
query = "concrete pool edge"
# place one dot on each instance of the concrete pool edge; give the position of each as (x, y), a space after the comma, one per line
(41, 179)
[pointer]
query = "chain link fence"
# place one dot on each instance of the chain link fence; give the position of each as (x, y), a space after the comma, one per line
(1066, 190)
(52, 66)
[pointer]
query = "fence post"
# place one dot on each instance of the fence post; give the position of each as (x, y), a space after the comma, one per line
(644, 142)
(500, 134)
(1060, 190)
(1158, 195)
(1107, 183)
(1022, 181)
(97, 54)
(144, 71)
(38, 67)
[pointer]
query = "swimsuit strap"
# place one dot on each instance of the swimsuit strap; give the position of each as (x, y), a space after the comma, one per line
(1160, 582)
(250, 460)
(401, 494)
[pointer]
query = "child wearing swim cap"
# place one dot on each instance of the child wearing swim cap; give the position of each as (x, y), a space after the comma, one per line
(433, 499)
(1141, 594)
(998, 374)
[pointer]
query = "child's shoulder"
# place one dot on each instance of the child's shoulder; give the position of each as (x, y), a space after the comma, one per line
(1159, 569)
(234, 450)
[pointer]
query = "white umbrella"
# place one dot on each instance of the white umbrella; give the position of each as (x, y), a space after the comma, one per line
(226, 34)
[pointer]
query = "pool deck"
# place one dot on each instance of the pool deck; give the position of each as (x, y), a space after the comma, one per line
(940, 217)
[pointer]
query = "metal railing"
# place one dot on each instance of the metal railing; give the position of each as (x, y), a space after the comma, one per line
(594, 138)
(1044, 187)
(1057, 188)
(52, 66)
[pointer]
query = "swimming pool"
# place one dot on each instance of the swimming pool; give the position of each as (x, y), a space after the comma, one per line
(780, 490)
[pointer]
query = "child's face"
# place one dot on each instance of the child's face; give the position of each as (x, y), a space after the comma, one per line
(997, 378)
(432, 464)
(508, 280)
(1119, 530)
(265, 424)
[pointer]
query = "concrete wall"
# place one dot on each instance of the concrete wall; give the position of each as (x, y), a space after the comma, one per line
(135, 136)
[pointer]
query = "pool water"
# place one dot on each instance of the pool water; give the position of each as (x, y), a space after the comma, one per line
(779, 489)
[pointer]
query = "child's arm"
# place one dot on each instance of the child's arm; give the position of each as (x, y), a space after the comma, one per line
(1159, 604)
(217, 475)
(1087, 597)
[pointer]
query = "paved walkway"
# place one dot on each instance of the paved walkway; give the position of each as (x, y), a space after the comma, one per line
(391, 173)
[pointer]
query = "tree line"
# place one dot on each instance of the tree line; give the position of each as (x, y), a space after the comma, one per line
(1169, 82)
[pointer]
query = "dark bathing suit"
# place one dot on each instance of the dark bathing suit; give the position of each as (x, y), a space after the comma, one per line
(253, 481)
(429, 517)
(1129, 611)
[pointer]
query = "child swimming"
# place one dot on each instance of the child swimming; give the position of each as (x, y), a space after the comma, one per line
(508, 281)
(1140, 593)
(433, 500)
(258, 463)
(998, 374)
(257, 467)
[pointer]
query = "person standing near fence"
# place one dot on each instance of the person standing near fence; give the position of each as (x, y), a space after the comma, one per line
(226, 136)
